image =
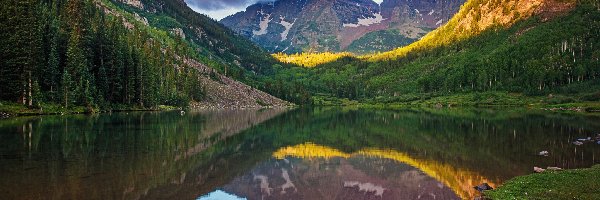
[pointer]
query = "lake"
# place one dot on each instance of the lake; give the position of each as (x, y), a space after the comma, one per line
(308, 153)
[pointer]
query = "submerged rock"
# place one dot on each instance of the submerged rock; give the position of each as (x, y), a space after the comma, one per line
(483, 187)
(544, 153)
(578, 143)
(585, 139)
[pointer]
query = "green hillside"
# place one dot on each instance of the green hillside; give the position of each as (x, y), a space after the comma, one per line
(537, 56)
(379, 40)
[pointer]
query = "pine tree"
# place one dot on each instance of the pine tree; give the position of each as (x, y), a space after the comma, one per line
(20, 50)
(52, 71)
(66, 84)
(76, 65)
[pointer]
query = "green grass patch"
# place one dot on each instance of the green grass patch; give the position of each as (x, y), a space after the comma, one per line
(16, 109)
(11, 109)
(573, 103)
(327, 100)
(569, 184)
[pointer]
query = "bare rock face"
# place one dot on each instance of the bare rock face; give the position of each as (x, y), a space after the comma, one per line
(134, 3)
(359, 26)
(179, 32)
(224, 92)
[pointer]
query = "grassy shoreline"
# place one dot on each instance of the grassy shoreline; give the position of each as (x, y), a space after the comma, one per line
(9, 109)
(552, 103)
(567, 184)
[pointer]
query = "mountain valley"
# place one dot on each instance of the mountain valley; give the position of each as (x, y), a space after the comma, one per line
(299, 99)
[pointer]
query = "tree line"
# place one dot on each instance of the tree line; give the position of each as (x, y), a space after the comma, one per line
(70, 52)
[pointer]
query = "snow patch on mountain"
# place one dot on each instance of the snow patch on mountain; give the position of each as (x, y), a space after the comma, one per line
(431, 12)
(439, 22)
(367, 21)
(287, 26)
(291, 44)
(264, 24)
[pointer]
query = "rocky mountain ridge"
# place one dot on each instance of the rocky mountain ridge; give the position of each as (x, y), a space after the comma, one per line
(358, 26)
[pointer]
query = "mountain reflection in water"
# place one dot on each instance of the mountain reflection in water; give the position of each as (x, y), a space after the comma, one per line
(359, 176)
(330, 153)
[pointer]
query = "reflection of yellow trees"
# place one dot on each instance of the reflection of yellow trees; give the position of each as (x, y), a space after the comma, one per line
(310, 59)
(309, 150)
(461, 181)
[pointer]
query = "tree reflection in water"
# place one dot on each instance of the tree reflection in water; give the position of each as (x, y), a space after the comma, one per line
(166, 155)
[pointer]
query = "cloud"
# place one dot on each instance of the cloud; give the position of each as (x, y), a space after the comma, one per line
(222, 4)
(219, 9)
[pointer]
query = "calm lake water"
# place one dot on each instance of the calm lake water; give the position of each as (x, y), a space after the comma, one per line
(317, 153)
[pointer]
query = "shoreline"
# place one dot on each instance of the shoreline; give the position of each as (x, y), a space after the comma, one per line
(13, 110)
(576, 108)
(552, 103)
(564, 184)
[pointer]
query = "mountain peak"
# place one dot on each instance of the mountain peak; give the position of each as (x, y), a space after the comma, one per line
(359, 26)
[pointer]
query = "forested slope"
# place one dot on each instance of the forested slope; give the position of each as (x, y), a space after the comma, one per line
(477, 16)
(219, 47)
(555, 50)
(95, 55)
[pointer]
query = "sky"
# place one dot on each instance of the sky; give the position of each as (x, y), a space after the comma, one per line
(219, 9)
(220, 195)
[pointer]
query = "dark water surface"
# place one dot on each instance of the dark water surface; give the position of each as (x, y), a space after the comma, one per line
(318, 153)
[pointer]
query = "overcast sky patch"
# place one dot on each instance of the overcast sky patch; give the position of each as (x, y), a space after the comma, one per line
(219, 9)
